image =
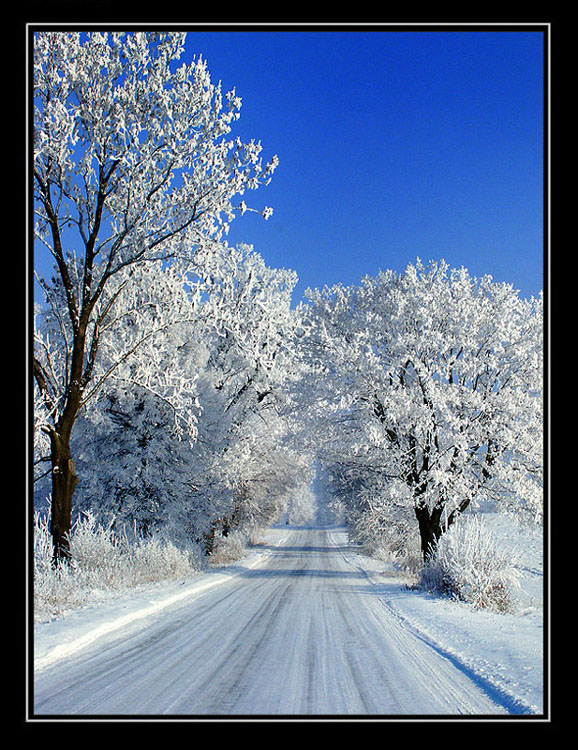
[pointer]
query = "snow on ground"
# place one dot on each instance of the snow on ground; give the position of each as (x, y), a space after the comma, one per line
(503, 653)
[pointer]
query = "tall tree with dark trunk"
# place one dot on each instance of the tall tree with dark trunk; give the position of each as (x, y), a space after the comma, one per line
(130, 167)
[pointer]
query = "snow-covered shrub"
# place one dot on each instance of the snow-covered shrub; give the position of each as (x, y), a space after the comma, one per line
(399, 543)
(469, 566)
(229, 548)
(383, 534)
(101, 560)
(157, 558)
(55, 591)
(100, 557)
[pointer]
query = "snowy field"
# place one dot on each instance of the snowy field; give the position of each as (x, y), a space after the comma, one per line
(498, 656)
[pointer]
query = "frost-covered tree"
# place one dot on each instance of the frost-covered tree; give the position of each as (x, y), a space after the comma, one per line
(131, 166)
(135, 438)
(426, 389)
(227, 360)
(240, 460)
(140, 409)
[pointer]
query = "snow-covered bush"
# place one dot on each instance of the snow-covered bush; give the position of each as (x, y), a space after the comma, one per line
(101, 557)
(55, 591)
(158, 558)
(101, 560)
(400, 544)
(229, 548)
(469, 566)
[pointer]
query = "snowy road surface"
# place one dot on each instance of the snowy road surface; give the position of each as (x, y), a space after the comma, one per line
(301, 632)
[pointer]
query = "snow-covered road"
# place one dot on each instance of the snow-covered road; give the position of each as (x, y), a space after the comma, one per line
(300, 631)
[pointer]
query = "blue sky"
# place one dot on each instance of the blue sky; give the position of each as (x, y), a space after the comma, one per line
(392, 145)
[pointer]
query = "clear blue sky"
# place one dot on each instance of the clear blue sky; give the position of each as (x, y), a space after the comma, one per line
(392, 145)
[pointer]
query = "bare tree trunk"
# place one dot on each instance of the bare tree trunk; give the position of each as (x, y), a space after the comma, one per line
(209, 540)
(430, 530)
(431, 526)
(64, 481)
